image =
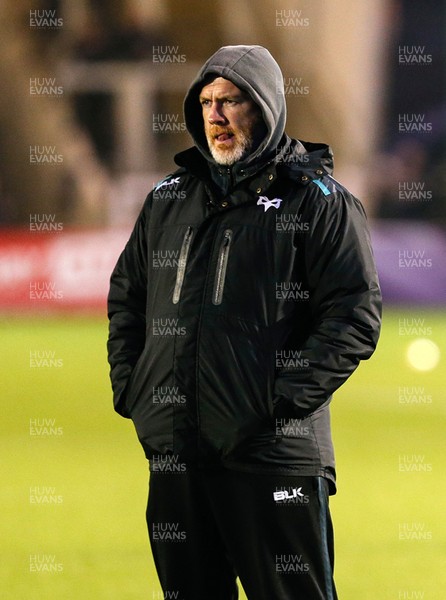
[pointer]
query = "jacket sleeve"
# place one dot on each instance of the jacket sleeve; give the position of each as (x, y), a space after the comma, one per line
(127, 312)
(344, 306)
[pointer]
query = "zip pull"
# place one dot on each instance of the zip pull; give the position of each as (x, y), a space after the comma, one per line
(222, 263)
(182, 262)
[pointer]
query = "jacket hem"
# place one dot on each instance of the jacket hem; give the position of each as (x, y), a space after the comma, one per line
(313, 471)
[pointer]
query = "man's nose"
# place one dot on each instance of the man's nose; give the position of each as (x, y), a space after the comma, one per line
(216, 114)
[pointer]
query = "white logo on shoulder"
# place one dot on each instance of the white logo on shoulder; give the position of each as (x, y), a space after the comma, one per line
(267, 203)
(172, 181)
(282, 495)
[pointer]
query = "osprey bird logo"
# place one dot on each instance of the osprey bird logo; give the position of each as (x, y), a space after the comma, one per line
(267, 203)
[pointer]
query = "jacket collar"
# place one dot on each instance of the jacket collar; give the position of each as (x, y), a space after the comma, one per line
(297, 160)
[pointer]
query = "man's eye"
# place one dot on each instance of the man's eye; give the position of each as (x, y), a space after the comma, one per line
(205, 102)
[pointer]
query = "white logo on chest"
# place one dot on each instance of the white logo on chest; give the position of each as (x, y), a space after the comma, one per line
(267, 203)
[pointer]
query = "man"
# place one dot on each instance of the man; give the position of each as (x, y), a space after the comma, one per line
(227, 362)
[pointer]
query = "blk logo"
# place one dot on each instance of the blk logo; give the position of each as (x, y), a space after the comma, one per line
(165, 183)
(282, 495)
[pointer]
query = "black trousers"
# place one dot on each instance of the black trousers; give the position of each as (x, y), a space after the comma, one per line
(272, 531)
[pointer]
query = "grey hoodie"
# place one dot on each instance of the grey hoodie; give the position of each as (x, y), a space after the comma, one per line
(253, 70)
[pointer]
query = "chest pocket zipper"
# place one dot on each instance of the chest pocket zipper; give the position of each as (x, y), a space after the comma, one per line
(182, 262)
(223, 255)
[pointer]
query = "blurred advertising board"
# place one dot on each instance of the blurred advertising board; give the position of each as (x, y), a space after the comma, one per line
(70, 269)
(57, 270)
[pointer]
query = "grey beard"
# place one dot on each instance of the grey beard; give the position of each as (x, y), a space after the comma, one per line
(229, 157)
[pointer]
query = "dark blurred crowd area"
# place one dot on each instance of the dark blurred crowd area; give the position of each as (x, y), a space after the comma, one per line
(415, 159)
(114, 31)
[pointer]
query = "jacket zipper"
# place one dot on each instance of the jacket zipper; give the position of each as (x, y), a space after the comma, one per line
(182, 262)
(223, 255)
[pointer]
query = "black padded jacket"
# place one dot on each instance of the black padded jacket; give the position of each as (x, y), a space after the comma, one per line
(234, 317)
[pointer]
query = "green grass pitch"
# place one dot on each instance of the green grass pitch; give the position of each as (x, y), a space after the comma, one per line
(88, 528)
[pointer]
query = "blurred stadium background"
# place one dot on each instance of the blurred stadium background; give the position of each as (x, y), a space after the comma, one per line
(90, 117)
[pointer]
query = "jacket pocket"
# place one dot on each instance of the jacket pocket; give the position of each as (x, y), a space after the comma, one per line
(133, 381)
(223, 255)
(182, 263)
(152, 394)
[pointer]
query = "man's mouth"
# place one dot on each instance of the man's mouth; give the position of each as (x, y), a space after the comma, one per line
(223, 137)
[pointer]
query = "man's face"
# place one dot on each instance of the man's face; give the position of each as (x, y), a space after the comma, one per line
(232, 121)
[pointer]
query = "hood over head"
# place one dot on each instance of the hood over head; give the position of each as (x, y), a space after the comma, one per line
(253, 70)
